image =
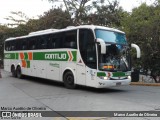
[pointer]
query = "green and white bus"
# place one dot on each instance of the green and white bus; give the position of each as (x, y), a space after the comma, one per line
(86, 55)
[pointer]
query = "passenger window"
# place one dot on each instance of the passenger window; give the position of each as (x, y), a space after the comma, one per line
(12, 45)
(42, 42)
(7, 46)
(32, 43)
(70, 39)
(55, 40)
(18, 44)
(24, 44)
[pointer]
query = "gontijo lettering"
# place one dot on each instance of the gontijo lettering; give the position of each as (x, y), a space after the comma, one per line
(56, 56)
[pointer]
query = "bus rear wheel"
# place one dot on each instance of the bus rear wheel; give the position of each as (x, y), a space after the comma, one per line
(13, 71)
(68, 80)
(19, 72)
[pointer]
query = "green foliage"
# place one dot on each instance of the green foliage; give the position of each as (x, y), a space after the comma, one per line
(54, 18)
(105, 12)
(108, 14)
(76, 8)
(17, 18)
(143, 28)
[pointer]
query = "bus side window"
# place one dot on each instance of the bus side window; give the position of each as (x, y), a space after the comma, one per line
(24, 44)
(55, 40)
(7, 46)
(58, 40)
(51, 42)
(42, 40)
(70, 40)
(12, 45)
(18, 44)
(87, 47)
(32, 43)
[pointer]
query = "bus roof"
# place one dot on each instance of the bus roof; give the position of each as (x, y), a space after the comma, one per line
(49, 31)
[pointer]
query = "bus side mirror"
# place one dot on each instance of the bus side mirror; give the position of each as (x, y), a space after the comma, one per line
(137, 49)
(103, 45)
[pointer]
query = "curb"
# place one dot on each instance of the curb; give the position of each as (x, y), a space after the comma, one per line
(145, 84)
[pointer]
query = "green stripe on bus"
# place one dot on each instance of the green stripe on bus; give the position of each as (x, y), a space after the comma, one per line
(54, 56)
(74, 53)
(119, 74)
(28, 64)
(115, 74)
(10, 56)
(26, 56)
(101, 74)
(17, 56)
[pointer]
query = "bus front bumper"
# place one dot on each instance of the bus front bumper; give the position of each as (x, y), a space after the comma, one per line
(112, 83)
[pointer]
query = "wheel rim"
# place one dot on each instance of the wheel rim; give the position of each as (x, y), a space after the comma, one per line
(13, 72)
(18, 72)
(69, 80)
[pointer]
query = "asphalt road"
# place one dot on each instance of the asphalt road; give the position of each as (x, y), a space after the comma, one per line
(42, 93)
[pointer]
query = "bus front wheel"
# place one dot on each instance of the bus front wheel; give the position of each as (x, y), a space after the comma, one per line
(19, 72)
(68, 80)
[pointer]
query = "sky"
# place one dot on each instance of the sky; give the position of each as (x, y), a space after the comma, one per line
(34, 8)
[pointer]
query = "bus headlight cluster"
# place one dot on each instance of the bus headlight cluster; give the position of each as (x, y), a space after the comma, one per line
(104, 78)
(129, 77)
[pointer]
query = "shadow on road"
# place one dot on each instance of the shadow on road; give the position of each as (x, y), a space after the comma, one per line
(100, 90)
(81, 88)
(43, 81)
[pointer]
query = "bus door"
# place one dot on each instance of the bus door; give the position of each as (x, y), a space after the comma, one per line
(80, 71)
(87, 63)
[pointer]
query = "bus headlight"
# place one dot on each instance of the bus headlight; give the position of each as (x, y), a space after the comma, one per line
(129, 77)
(105, 78)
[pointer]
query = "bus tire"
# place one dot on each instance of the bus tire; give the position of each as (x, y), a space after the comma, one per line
(13, 71)
(19, 72)
(68, 80)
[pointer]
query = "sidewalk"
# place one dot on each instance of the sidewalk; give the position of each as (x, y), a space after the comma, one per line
(145, 84)
(143, 81)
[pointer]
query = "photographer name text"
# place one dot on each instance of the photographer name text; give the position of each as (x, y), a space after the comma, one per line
(22, 108)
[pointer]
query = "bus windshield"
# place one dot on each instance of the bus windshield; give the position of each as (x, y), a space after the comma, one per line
(117, 57)
(111, 37)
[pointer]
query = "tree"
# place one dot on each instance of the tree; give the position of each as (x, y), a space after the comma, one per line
(108, 14)
(54, 18)
(143, 28)
(3, 35)
(76, 8)
(98, 12)
(17, 18)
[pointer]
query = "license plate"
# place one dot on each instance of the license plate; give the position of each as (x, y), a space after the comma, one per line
(118, 83)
